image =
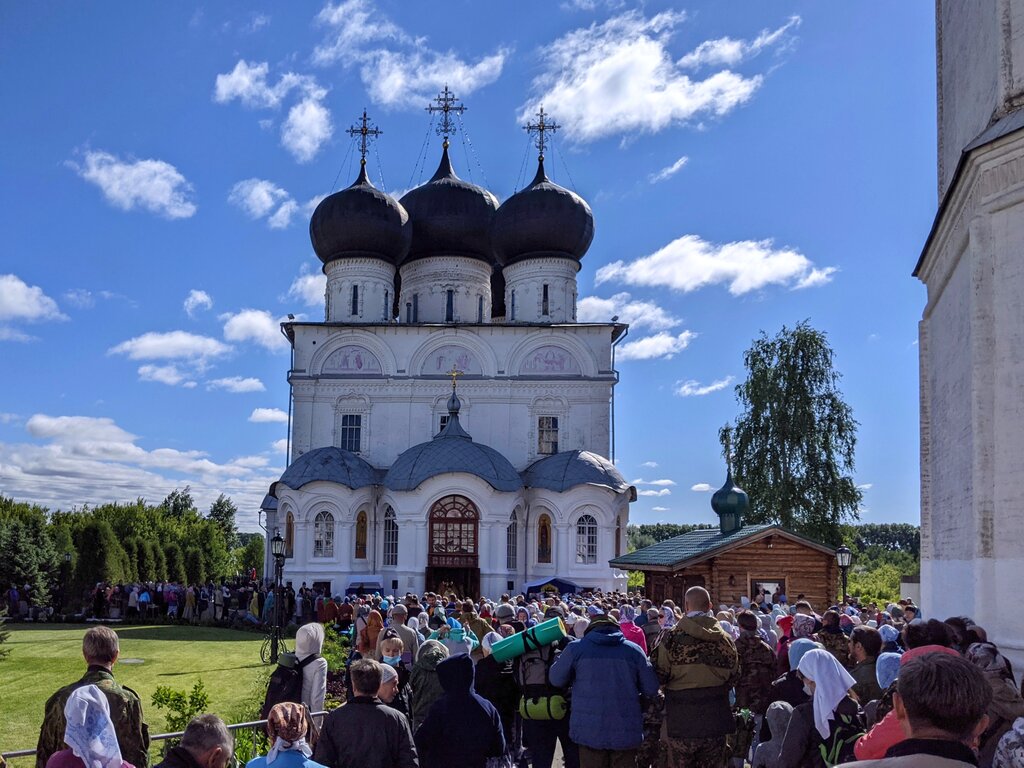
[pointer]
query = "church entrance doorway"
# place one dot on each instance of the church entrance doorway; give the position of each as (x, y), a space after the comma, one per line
(453, 559)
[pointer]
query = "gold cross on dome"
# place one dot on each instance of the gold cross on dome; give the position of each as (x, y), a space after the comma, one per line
(446, 104)
(366, 132)
(454, 373)
(541, 127)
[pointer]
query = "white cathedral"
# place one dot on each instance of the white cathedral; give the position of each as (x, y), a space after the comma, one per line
(449, 420)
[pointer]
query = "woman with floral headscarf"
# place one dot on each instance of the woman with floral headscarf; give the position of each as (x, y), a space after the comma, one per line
(292, 738)
(89, 733)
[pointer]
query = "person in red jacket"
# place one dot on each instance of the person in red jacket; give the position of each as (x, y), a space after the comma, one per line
(629, 629)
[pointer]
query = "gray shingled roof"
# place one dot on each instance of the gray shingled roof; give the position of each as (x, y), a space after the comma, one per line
(333, 465)
(568, 469)
(269, 503)
(686, 546)
(452, 450)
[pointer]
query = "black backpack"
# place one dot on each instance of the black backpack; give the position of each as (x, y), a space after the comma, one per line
(285, 682)
(541, 700)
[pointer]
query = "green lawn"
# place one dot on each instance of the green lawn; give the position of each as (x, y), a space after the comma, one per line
(43, 658)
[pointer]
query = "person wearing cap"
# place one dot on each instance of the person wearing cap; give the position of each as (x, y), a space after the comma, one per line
(504, 613)
(410, 637)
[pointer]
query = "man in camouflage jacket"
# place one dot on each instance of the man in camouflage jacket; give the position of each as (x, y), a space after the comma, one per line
(697, 666)
(757, 667)
(100, 648)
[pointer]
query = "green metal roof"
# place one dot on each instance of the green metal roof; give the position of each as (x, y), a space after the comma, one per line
(686, 546)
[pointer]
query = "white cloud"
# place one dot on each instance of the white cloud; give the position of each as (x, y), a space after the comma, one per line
(865, 486)
(166, 374)
(21, 302)
(619, 77)
(256, 23)
(307, 128)
(689, 263)
(280, 446)
(639, 314)
(701, 488)
(669, 170)
(255, 325)
(152, 185)
(172, 345)
(693, 388)
(664, 482)
(651, 492)
(407, 73)
(89, 460)
(309, 288)
(237, 384)
(660, 509)
(268, 415)
(650, 464)
(728, 51)
(197, 300)
(80, 298)
(263, 199)
(660, 345)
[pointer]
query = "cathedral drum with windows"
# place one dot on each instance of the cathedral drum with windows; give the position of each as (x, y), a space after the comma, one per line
(442, 436)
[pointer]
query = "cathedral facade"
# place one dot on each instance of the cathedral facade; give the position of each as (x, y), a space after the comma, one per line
(450, 419)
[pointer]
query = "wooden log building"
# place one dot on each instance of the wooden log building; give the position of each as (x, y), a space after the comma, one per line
(734, 560)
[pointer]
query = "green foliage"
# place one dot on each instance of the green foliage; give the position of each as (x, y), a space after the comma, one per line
(792, 448)
(223, 512)
(249, 743)
(251, 555)
(181, 706)
(4, 635)
(635, 580)
(29, 556)
(105, 558)
(336, 649)
(892, 537)
(880, 583)
(195, 568)
(179, 504)
(175, 563)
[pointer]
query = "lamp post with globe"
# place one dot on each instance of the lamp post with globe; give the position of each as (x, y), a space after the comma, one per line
(277, 550)
(844, 558)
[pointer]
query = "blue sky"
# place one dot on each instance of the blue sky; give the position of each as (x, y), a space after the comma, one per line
(749, 165)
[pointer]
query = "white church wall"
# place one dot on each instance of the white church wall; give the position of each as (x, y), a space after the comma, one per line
(427, 283)
(359, 290)
(525, 284)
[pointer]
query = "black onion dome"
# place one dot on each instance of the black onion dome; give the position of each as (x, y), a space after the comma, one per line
(360, 221)
(450, 217)
(542, 220)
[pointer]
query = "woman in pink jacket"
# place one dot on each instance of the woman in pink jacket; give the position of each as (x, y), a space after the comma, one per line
(630, 631)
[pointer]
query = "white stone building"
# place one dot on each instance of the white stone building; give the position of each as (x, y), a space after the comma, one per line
(971, 335)
(396, 481)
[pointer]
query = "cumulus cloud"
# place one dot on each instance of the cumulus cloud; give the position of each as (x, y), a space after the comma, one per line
(79, 460)
(257, 326)
(397, 69)
(619, 77)
(197, 300)
(689, 263)
(23, 303)
(701, 487)
(172, 345)
(652, 492)
(637, 313)
(650, 464)
(280, 446)
(727, 51)
(309, 288)
(658, 346)
(165, 374)
(694, 388)
(237, 384)
(263, 199)
(151, 185)
(308, 125)
(268, 415)
(669, 170)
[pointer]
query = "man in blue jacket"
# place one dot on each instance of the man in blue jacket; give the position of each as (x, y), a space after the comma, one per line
(608, 675)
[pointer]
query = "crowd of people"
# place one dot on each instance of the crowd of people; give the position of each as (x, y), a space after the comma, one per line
(630, 685)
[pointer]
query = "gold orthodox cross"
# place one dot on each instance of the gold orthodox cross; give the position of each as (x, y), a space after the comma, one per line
(454, 373)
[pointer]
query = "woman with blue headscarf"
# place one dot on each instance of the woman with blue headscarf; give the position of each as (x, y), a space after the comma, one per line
(89, 733)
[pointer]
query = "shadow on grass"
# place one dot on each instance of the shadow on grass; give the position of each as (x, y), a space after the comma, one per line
(151, 631)
(257, 665)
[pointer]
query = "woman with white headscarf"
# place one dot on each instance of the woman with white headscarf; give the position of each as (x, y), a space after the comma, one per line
(89, 733)
(822, 732)
(309, 645)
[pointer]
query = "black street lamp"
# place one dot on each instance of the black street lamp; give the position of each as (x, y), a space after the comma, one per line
(277, 550)
(67, 579)
(844, 557)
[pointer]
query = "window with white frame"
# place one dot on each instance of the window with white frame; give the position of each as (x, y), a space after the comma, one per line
(512, 543)
(547, 434)
(390, 538)
(351, 432)
(323, 535)
(586, 539)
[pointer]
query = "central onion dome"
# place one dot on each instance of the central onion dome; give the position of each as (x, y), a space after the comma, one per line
(450, 217)
(360, 221)
(542, 220)
(451, 450)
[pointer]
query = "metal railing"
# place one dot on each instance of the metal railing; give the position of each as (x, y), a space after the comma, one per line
(257, 727)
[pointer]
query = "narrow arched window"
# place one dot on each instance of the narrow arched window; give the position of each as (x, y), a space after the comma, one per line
(544, 539)
(390, 538)
(618, 536)
(544, 302)
(355, 300)
(360, 553)
(512, 543)
(289, 535)
(586, 539)
(449, 306)
(323, 535)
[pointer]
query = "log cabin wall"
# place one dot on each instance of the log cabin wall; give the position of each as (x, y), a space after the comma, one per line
(728, 575)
